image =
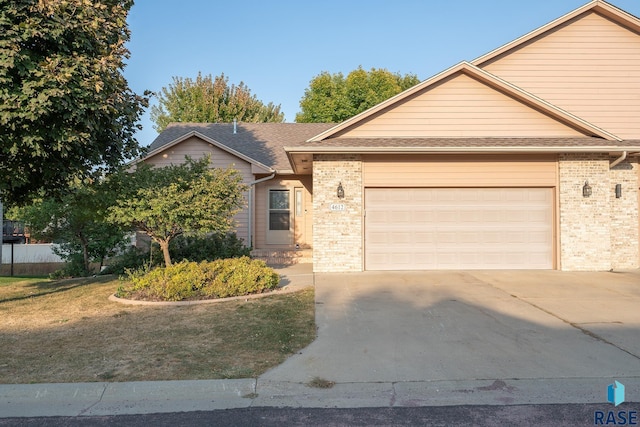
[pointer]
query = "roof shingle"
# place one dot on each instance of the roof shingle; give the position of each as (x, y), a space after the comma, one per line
(262, 142)
(471, 143)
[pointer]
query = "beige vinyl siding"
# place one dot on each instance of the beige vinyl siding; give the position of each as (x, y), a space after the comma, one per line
(531, 170)
(461, 106)
(261, 210)
(590, 66)
(196, 148)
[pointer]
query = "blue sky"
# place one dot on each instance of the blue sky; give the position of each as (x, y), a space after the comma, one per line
(276, 47)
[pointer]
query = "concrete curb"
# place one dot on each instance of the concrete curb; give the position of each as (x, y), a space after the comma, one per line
(83, 399)
(279, 291)
(97, 399)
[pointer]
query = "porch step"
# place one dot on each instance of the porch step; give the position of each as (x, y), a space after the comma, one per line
(283, 257)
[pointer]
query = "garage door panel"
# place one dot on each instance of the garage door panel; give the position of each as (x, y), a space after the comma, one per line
(489, 237)
(424, 218)
(400, 238)
(401, 217)
(378, 239)
(423, 237)
(540, 237)
(464, 228)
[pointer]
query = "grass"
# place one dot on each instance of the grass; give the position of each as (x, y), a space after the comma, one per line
(68, 331)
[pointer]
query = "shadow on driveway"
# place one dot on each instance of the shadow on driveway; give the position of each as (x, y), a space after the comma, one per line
(481, 325)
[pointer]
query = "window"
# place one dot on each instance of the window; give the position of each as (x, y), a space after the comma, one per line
(298, 202)
(279, 210)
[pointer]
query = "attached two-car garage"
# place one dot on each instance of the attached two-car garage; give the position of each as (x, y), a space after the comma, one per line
(458, 228)
(451, 213)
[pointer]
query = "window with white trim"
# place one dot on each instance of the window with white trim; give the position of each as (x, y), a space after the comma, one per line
(279, 213)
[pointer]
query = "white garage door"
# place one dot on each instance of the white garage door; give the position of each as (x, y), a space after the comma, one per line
(458, 228)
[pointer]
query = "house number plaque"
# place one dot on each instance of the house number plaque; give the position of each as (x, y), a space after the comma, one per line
(337, 207)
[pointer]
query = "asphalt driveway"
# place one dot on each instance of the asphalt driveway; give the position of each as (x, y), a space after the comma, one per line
(489, 326)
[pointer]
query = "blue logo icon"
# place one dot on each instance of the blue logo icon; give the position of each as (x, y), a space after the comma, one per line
(615, 393)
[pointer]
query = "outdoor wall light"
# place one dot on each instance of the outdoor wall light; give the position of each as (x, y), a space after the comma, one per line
(586, 189)
(618, 191)
(340, 191)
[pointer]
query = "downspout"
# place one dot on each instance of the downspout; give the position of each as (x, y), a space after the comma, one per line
(618, 160)
(251, 202)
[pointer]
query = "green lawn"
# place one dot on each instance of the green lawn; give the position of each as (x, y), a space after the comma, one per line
(68, 331)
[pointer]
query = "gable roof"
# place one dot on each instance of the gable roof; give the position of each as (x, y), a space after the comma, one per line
(598, 6)
(474, 68)
(287, 146)
(488, 79)
(260, 144)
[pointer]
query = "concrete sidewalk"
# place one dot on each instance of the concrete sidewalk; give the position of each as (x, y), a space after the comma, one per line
(413, 339)
(96, 399)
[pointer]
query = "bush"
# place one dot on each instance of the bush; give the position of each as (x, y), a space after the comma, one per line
(176, 283)
(74, 267)
(206, 280)
(239, 276)
(189, 248)
(131, 259)
(206, 248)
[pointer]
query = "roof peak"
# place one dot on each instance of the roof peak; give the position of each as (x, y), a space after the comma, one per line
(599, 6)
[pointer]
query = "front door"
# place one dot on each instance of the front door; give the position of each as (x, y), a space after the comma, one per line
(280, 227)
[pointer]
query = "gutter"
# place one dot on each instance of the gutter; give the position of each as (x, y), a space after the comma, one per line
(618, 160)
(267, 178)
(251, 203)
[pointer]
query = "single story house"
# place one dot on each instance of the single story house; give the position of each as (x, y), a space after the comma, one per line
(524, 158)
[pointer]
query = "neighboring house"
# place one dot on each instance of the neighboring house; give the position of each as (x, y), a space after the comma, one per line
(525, 158)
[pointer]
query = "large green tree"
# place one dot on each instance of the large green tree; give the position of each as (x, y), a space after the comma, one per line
(210, 100)
(66, 111)
(332, 98)
(180, 199)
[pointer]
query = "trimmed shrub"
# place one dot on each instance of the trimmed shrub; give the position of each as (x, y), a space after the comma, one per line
(207, 248)
(239, 276)
(176, 283)
(206, 280)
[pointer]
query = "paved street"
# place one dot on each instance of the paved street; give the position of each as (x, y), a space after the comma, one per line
(527, 415)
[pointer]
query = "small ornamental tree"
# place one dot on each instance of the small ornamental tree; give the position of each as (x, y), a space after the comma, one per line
(181, 199)
(76, 222)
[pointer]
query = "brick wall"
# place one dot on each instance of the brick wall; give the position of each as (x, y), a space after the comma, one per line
(337, 234)
(598, 232)
(624, 216)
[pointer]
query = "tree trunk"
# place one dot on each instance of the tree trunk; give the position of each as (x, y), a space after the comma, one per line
(85, 252)
(164, 245)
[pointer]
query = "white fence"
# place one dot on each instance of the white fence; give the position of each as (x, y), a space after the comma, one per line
(29, 254)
